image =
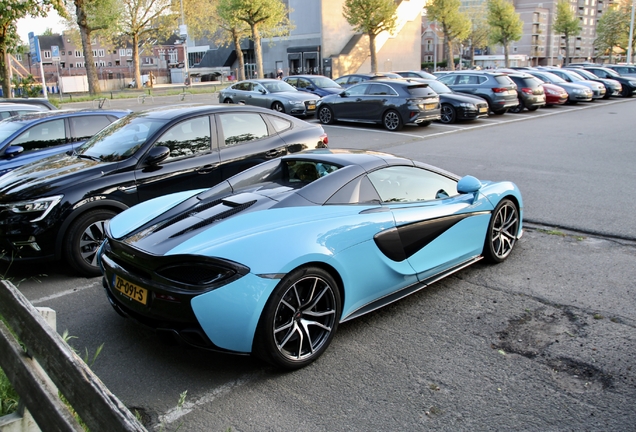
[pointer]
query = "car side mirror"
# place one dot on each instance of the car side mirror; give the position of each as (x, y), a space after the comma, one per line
(262, 91)
(343, 94)
(13, 151)
(468, 184)
(156, 155)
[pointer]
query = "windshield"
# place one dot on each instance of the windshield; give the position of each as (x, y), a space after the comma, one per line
(611, 73)
(586, 74)
(8, 128)
(574, 76)
(325, 83)
(438, 87)
(121, 139)
(555, 79)
(278, 86)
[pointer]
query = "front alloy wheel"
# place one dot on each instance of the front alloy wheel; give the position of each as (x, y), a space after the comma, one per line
(448, 114)
(502, 232)
(83, 239)
(325, 115)
(299, 320)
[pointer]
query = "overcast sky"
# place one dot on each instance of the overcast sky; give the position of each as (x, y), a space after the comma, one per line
(39, 25)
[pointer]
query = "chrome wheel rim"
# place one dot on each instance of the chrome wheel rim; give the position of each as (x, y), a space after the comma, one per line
(391, 120)
(304, 319)
(504, 230)
(325, 115)
(447, 114)
(278, 107)
(91, 240)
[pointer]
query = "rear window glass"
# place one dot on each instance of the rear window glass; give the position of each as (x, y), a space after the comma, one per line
(529, 82)
(504, 80)
(307, 171)
(419, 90)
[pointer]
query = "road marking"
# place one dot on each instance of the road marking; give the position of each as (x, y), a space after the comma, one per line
(65, 293)
(379, 131)
(176, 413)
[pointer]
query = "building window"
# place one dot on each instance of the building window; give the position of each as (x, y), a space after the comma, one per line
(79, 65)
(101, 53)
(62, 53)
(79, 53)
(117, 63)
(129, 52)
(18, 57)
(122, 52)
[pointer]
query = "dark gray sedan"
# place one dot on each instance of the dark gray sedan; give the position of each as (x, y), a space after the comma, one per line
(270, 93)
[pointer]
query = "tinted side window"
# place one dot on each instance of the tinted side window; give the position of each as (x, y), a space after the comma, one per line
(358, 90)
(85, 127)
(292, 81)
(355, 80)
(381, 89)
(242, 127)
(342, 81)
(5, 114)
(448, 79)
(190, 137)
(410, 184)
(303, 83)
(280, 124)
(42, 135)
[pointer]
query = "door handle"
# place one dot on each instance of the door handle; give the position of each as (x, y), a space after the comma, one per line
(359, 100)
(206, 169)
(276, 152)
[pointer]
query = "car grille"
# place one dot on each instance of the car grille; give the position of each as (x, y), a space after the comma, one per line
(310, 103)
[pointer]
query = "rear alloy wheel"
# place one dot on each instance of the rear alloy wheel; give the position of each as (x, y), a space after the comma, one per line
(627, 92)
(502, 232)
(83, 239)
(392, 121)
(516, 109)
(299, 319)
(448, 114)
(277, 106)
(325, 115)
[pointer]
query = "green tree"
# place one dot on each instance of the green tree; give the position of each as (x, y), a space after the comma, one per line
(566, 23)
(266, 18)
(612, 31)
(371, 17)
(233, 30)
(200, 16)
(141, 19)
(479, 35)
(456, 25)
(91, 17)
(505, 23)
(10, 12)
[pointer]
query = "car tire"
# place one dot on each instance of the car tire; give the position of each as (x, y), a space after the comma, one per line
(516, 109)
(325, 115)
(607, 95)
(448, 114)
(572, 102)
(277, 106)
(502, 231)
(534, 108)
(392, 120)
(500, 112)
(83, 238)
(424, 123)
(228, 101)
(626, 93)
(299, 320)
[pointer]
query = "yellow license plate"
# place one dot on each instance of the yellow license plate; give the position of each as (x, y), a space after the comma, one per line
(483, 109)
(311, 107)
(131, 290)
(430, 106)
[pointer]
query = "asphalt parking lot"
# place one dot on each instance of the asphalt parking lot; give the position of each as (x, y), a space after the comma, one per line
(543, 341)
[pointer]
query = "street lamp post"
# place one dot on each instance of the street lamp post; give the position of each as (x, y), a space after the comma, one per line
(631, 36)
(183, 31)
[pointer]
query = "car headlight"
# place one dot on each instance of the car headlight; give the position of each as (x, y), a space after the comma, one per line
(467, 105)
(301, 103)
(40, 205)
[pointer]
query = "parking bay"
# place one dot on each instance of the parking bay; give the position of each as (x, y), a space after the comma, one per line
(542, 339)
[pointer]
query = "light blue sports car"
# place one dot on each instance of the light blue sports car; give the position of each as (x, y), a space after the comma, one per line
(270, 261)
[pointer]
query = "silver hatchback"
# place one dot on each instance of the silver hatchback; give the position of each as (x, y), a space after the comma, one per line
(497, 88)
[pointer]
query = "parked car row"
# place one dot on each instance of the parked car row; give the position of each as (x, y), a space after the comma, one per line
(55, 208)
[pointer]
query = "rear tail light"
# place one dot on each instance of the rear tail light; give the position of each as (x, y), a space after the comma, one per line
(324, 139)
(526, 90)
(500, 90)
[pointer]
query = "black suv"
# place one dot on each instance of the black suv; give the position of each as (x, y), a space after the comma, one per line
(57, 207)
(530, 92)
(628, 83)
(497, 88)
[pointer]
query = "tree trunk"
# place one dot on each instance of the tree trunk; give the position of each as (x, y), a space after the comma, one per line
(135, 48)
(567, 51)
(256, 37)
(5, 66)
(374, 55)
(239, 55)
(450, 61)
(506, 55)
(89, 62)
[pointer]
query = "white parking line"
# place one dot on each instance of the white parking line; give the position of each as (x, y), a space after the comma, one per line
(379, 131)
(65, 293)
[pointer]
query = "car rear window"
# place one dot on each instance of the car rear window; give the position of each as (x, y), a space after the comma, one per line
(529, 82)
(504, 80)
(419, 90)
